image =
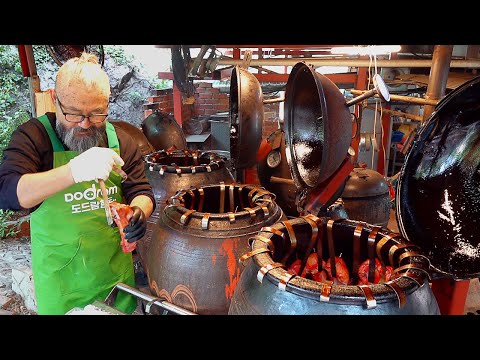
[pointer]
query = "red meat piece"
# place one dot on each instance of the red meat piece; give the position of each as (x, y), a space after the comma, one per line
(320, 276)
(363, 272)
(122, 214)
(343, 276)
(388, 273)
(294, 268)
(311, 266)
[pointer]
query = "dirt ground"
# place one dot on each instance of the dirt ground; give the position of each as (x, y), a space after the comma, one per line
(17, 306)
(14, 253)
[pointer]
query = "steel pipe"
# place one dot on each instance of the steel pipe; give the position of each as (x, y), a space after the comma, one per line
(161, 303)
(317, 62)
(407, 99)
(379, 89)
(279, 180)
(271, 101)
(398, 113)
(437, 81)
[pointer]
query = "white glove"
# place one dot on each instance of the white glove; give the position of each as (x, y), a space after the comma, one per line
(95, 163)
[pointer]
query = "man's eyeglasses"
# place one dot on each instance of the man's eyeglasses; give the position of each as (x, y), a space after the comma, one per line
(76, 118)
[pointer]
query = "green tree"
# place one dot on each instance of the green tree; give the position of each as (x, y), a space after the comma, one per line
(6, 231)
(11, 84)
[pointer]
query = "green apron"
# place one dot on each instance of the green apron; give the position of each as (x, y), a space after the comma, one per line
(76, 256)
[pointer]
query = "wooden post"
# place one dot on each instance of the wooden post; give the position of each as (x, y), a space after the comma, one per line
(43, 102)
(33, 79)
(177, 104)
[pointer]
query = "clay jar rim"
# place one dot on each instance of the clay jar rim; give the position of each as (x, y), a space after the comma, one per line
(264, 204)
(216, 161)
(340, 294)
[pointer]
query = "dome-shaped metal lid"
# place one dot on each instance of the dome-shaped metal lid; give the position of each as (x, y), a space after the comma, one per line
(163, 131)
(318, 126)
(438, 193)
(364, 183)
(246, 118)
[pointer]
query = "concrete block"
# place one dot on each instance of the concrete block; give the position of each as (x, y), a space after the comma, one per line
(22, 284)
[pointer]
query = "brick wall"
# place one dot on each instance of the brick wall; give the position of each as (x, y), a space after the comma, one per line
(20, 222)
(162, 99)
(270, 119)
(209, 100)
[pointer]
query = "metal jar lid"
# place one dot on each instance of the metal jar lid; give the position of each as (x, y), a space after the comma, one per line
(365, 183)
(246, 118)
(438, 193)
(318, 127)
(137, 135)
(163, 132)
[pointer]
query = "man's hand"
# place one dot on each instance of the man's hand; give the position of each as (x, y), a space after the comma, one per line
(95, 163)
(137, 225)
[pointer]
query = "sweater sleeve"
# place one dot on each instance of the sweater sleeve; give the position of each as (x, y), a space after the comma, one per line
(26, 153)
(137, 182)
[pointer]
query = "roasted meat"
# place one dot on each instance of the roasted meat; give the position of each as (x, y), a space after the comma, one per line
(343, 276)
(379, 275)
(121, 215)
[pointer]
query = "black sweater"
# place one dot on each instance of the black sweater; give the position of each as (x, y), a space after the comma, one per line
(30, 151)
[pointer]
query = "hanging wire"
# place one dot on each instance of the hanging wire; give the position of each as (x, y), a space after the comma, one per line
(370, 76)
(376, 114)
(369, 71)
(382, 132)
(383, 147)
(378, 102)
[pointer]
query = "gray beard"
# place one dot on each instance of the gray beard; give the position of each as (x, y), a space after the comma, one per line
(95, 137)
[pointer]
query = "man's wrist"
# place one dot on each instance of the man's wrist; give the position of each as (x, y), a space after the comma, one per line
(68, 174)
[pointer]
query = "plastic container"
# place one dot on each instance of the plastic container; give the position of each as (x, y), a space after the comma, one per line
(397, 136)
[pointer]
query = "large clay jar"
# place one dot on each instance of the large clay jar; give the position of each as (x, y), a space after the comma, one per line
(266, 288)
(169, 171)
(192, 261)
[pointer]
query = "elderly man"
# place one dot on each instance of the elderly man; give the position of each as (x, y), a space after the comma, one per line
(52, 167)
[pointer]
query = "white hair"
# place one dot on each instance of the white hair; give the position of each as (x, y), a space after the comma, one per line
(85, 70)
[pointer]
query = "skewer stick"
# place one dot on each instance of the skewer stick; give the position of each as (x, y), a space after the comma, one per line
(106, 203)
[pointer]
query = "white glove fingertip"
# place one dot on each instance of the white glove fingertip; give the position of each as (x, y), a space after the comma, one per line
(104, 175)
(106, 172)
(118, 160)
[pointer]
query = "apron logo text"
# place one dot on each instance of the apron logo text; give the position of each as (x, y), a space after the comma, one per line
(89, 194)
